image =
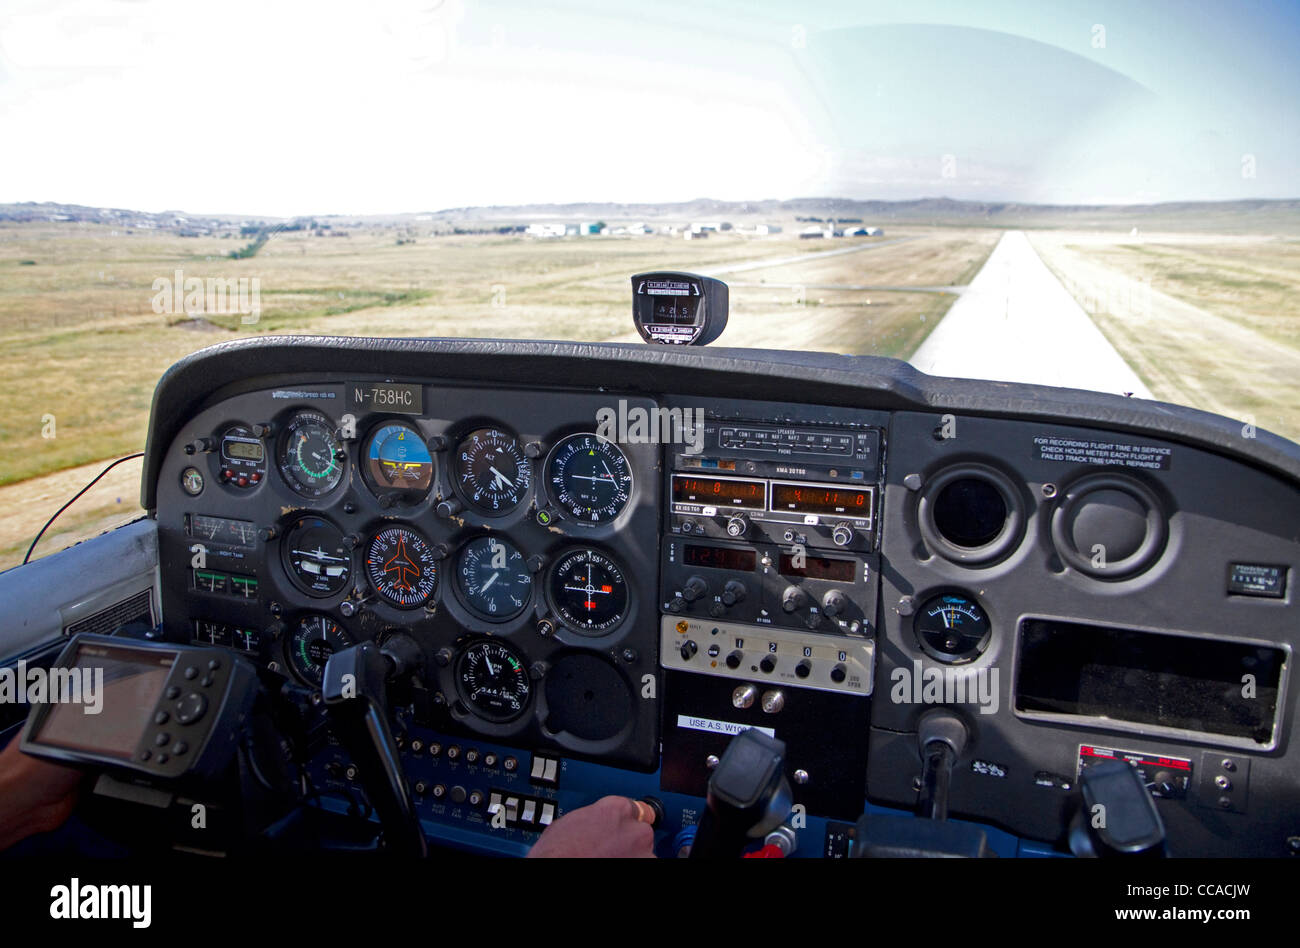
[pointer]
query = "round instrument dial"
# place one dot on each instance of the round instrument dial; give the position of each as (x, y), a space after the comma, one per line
(589, 478)
(402, 567)
(493, 579)
(492, 681)
(314, 640)
(315, 557)
(952, 628)
(492, 473)
(311, 457)
(397, 458)
(588, 591)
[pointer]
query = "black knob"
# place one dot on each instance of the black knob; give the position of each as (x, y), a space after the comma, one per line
(263, 429)
(449, 507)
(834, 603)
(534, 449)
(733, 660)
(438, 443)
(269, 533)
(793, 598)
(694, 589)
(733, 593)
(803, 669)
(689, 648)
(838, 674)
(737, 526)
(767, 664)
(677, 605)
(717, 610)
(201, 446)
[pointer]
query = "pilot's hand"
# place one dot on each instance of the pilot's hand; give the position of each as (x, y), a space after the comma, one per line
(611, 828)
(35, 796)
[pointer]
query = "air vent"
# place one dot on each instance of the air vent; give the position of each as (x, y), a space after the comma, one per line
(971, 514)
(137, 608)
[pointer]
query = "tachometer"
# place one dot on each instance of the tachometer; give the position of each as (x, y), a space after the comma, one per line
(588, 591)
(315, 557)
(314, 640)
(397, 458)
(491, 471)
(311, 457)
(402, 567)
(493, 681)
(589, 478)
(493, 579)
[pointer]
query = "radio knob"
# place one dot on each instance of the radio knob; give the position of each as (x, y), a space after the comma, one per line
(694, 589)
(834, 603)
(793, 598)
(689, 648)
(803, 669)
(767, 664)
(842, 534)
(838, 674)
(737, 526)
(733, 660)
(733, 593)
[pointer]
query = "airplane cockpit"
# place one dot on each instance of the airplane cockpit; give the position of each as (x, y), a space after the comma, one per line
(419, 594)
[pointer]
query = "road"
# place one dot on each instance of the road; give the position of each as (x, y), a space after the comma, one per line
(801, 258)
(1017, 323)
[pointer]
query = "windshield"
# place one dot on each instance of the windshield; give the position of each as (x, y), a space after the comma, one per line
(1100, 195)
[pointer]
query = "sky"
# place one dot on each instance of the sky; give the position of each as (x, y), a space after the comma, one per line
(284, 108)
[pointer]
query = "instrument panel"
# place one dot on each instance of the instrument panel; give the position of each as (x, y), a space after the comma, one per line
(629, 578)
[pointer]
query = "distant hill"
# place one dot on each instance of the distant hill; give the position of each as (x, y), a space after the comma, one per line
(1269, 216)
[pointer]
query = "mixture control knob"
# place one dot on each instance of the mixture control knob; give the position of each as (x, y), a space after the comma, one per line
(733, 593)
(737, 526)
(793, 599)
(834, 603)
(694, 589)
(842, 534)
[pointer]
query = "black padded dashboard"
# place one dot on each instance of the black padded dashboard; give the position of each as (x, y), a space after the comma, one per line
(1096, 545)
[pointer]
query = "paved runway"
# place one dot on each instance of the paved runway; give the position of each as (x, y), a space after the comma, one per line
(1017, 323)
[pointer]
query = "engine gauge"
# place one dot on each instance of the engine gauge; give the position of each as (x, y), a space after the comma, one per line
(952, 628)
(397, 458)
(492, 681)
(315, 557)
(314, 640)
(402, 567)
(491, 471)
(311, 457)
(493, 580)
(589, 478)
(588, 591)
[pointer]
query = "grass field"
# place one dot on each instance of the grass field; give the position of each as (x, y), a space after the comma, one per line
(82, 346)
(1210, 321)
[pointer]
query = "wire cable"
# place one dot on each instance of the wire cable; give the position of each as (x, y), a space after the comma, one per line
(30, 549)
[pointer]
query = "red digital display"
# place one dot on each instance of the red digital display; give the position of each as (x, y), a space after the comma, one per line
(719, 491)
(820, 567)
(822, 499)
(719, 557)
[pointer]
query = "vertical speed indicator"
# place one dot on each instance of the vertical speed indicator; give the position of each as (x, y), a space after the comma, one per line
(589, 478)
